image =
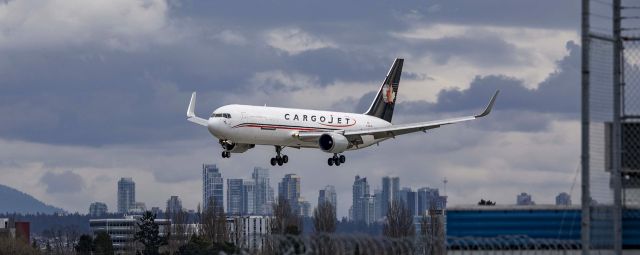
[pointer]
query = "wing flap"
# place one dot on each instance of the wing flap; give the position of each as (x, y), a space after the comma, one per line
(402, 129)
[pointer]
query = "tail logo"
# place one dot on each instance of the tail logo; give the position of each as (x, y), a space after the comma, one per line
(388, 96)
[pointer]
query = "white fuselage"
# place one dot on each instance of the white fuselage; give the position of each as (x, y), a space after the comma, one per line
(262, 125)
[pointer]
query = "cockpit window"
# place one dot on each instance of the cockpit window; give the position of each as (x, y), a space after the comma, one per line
(221, 115)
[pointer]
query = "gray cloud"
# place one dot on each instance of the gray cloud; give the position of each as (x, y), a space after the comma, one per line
(65, 182)
(87, 93)
(518, 107)
(111, 110)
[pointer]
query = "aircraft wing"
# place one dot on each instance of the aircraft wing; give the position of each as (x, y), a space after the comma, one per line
(395, 130)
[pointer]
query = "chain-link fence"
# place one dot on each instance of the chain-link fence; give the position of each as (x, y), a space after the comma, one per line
(367, 244)
(611, 124)
(630, 122)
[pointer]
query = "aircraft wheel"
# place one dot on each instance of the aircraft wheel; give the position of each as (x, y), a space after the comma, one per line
(224, 155)
(343, 158)
(337, 162)
(280, 161)
(330, 162)
(273, 161)
(285, 159)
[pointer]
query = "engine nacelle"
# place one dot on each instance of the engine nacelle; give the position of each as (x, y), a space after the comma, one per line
(237, 147)
(333, 142)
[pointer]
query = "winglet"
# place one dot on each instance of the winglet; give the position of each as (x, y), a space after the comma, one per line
(489, 106)
(191, 115)
(192, 105)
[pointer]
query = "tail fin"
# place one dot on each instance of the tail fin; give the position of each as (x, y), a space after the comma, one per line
(385, 100)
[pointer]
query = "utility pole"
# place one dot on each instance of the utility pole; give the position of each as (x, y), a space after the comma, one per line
(617, 136)
(584, 158)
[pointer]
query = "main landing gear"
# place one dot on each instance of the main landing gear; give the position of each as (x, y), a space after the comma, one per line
(278, 159)
(336, 160)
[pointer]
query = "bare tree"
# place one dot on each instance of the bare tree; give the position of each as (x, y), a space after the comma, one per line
(71, 235)
(178, 233)
(324, 222)
(214, 223)
(285, 221)
(324, 218)
(432, 231)
(10, 245)
(399, 221)
(56, 237)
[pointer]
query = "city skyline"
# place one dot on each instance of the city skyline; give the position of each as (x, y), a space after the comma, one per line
(420, 196)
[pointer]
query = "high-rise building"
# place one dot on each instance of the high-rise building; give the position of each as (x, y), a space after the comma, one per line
(360, 191)
(156, 210)
(289, 191)
(377, 196)
(97, 209)
(390, 189)
(270, 200)
(410, 200)
(234, 196)
(305, 207)
(430, 199)
(261, 178)
(249, 197)
(368, 209)
(524, 199)
(563, 199)
(328, 195)
(174, 205)
(212, 186)
(126, 195)
(138, 208)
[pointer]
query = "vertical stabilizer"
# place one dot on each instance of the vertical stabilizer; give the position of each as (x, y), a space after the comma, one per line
(385, 100)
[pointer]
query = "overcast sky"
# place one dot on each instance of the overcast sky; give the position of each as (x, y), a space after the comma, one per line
(91, 91)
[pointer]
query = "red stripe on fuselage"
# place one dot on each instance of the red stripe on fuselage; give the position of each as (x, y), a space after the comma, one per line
(281, 127)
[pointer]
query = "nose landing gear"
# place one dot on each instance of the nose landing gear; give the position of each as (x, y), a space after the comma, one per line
(336, 160)
(226, 154)
(279, 159)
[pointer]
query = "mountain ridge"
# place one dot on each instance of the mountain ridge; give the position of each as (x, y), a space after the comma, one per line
(16, 201)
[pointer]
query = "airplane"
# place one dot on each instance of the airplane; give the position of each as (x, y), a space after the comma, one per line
(242, 127)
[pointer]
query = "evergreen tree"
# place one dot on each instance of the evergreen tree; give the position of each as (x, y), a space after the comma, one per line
(85, 245)
(34, 244)
(103, 244)
(149, 234)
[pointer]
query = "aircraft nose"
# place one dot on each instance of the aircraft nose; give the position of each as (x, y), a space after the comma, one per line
(215, 126)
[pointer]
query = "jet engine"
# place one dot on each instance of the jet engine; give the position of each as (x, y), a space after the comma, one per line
(236, 147)
(333, 142)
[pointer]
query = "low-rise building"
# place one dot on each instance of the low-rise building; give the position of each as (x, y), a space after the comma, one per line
(122, 230)
(249, 232)
(15, 229)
